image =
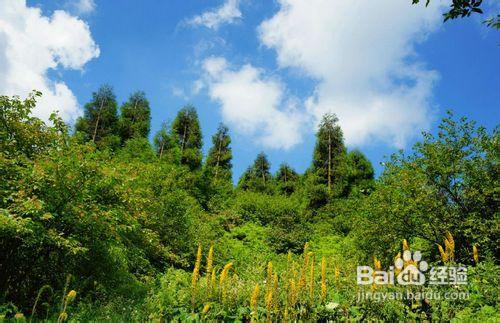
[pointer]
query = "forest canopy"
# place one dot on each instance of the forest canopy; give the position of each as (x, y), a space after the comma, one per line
(100, 223)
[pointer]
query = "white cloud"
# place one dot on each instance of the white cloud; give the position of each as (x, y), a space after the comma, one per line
(179, 92)
(83, 7)
(32, 44)
(253, 104)
(362, 55)
(228, 12)
(197, 86)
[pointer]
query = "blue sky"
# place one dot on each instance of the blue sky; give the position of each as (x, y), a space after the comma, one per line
(389, 70)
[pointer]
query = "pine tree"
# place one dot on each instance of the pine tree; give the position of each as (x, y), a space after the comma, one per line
(100, 121)
(162, 140)
(261, 168)
(286, 179)
(186, 135)
(218, 164)
(258, 177)
(135, 117)
(329, 159)
(217, 185)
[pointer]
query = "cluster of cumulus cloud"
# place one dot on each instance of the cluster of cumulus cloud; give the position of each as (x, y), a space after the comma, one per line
(32, 44)
(360, 55)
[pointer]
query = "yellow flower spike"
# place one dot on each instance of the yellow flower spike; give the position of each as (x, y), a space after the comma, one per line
(450, 239)
(305, 268)
(323, 279)
(223, 277)
(377, 266)
(447, 245)
(254, 301)
(406, 246)
(195, 276)
(337, 273)
(376, 263)
(293, 293)
(255, 296)
(306, 248)
(225, 272)
(450, 246)
(311, 278)
(196, 270)
(444, 255)
(210, 266)
(269, 271)
(206, 308)
(269, 303)
(475, 254)
(71, 295)
(62, 317)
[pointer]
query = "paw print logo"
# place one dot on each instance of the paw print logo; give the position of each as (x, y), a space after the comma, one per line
(412, 269)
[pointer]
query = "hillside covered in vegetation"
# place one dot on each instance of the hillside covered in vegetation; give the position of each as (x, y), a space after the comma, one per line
(100, 224)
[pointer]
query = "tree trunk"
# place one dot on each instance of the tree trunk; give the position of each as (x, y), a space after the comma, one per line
(161, 149)
(263, 174)
(97, 121)
(183, 138)
(218, 157)
(134, 113)
(329, 162)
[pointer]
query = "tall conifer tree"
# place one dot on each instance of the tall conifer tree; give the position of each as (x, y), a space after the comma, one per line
(135, 117)
(162, 140)
(187, 137)
(329, 159)
(100, 121)
(286, 179)
(258, 177)
(218, 164)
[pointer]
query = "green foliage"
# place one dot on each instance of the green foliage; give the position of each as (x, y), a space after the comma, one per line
(289, 227)
(217, 172)
(361, 173)
(286, 179)
(329, 159)
(122, 226)
(449, 184)
(112, 222)
(22, 134)
(135, 117)
(137, 149)
(464, 8)
(187, 138)
(100, 121)
(164, 145)
(218, 164)
(258, 178)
